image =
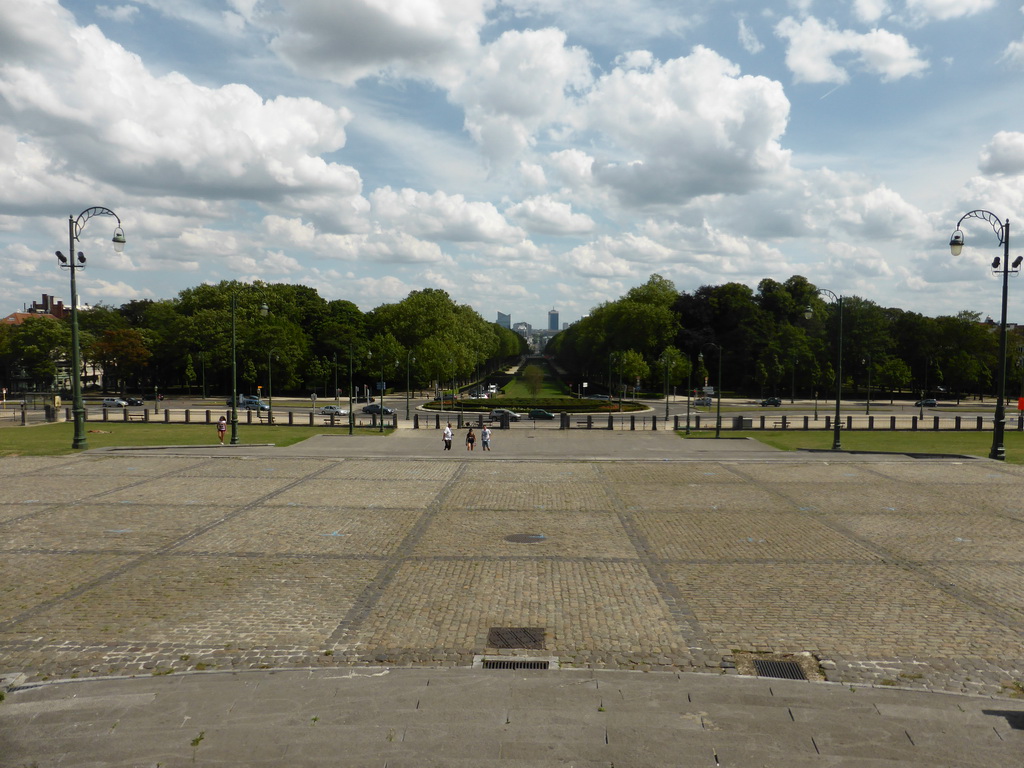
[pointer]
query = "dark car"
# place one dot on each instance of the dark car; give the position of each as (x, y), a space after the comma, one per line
(771, 401)
(928, 402)
(540, 413)
(376, 408)
(134, 400)
(704, 400)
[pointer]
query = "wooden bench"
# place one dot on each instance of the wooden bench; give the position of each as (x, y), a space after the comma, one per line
(135, 416)
(780, 423)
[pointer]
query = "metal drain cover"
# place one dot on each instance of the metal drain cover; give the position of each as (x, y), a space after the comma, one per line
(515, 664)
(526, 538)
(786, 670)
(516, 637)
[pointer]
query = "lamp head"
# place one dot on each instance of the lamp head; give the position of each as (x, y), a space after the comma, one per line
(1017, 262)
(808, 313)
(81, 258)
(119, 240)
(62, 258)
(264, 309)
(956, 243)
(995, 262)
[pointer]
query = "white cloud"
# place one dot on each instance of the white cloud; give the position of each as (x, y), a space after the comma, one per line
(1014, 53)
(548, 216)
(439, 216)
(813, 48)
(688, 127)
(1004, 155)
(96, 106)
(943, 10)
(347, 40)
(122, 13)
(870, 11)
(518, 86)
(748, 39)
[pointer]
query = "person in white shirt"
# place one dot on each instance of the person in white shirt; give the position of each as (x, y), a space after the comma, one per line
(447, 437)
(485, 439)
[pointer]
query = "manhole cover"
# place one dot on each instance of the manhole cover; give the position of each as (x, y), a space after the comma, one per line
(526, 538)
(516, 637)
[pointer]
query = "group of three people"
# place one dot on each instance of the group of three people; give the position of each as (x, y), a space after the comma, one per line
(485, 438)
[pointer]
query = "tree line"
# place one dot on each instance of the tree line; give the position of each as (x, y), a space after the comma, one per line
(286, 336)
(779, 340)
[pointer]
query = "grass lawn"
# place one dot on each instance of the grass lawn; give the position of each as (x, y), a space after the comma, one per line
(965, 443)
(549, 388)
(55, 439)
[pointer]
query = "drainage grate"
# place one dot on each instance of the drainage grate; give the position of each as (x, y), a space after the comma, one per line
(515, 664)
(787, 670)
(516, 637)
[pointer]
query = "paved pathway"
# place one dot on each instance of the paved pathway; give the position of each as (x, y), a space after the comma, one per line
(623, 551)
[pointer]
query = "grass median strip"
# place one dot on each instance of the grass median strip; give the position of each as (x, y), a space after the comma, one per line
(964, 443)
(55, 439)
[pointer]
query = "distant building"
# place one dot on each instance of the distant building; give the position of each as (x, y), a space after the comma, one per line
(553, 320)
(505, 321)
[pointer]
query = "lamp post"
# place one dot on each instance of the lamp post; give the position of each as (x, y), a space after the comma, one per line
(867, 409)
(809, 313)
(409, 360)
(956, 245)
(264, 309)
(351, 416)
(668, 367)
(689, 391)
(718, 385)
(337, 394)
(72, 263)
(270, 388)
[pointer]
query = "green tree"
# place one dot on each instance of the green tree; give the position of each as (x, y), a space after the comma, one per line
(893, 373)
(37, 344)
(533, 378)
(122, 354)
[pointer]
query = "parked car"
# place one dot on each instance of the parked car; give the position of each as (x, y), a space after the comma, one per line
(540, 413)
(135, 401)
(928, 402)
(114, 402)
(498, 413)
(333, 410)
(376, 408)
(704, 400)
(771, 401)
(254, 405)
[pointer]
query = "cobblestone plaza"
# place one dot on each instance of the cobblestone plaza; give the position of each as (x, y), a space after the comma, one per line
(889, 570)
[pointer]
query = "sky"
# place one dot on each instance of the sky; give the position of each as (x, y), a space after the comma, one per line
(521, 155)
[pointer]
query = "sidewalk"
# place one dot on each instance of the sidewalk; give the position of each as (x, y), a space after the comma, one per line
(331, 603)
(459, 718)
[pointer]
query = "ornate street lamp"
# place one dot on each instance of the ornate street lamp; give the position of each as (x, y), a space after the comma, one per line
(809, 313)
(956, 246)
(69, 262)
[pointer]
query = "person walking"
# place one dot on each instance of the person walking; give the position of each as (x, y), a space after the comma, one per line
(222, 427)
(485, 439)
(447, 437)
(470, 439)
